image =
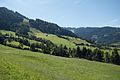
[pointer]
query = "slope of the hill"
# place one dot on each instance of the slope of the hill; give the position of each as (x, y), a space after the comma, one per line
(26, 65)
(58, 40)
(70, 42)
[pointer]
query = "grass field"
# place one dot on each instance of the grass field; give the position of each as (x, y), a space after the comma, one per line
(57, 40)
(26, 65)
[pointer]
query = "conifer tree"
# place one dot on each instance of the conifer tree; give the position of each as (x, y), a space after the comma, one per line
(78, 52)
(107, 57)
(115, 58)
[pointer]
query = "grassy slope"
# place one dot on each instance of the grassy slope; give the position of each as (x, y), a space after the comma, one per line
(57, 40)
(69, 43)
(14, 42)
(25, 65)
(7, 32)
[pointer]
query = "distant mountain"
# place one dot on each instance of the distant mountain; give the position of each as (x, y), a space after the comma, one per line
(14, 21)
(104, 35)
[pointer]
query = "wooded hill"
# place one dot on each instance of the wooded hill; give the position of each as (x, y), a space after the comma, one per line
(105, 35)
(14, 21)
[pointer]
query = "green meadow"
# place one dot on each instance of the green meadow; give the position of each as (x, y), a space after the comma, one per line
(18, 64)
(57, 40)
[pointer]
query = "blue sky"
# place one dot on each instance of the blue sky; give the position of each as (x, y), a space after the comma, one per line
(69, 13)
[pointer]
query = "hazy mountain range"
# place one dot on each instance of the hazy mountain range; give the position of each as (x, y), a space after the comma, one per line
(103, 35)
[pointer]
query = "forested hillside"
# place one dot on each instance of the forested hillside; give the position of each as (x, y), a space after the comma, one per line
(14, 21)
(104, 35)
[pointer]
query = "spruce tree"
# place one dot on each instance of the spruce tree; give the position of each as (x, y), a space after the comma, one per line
(115, 58)
(66, 53)
(89, 54)
(78, 52)
(98, 55)
(84, 52)
(107, 57)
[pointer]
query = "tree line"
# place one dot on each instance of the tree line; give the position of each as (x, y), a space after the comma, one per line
(48, 47)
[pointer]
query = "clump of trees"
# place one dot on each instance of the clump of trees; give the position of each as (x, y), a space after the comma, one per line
(98, 55)
(48, 47)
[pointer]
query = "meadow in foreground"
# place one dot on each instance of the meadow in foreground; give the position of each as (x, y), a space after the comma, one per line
(18, 64)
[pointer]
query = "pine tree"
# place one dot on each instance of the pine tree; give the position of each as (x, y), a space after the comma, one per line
(78, 52)
(73, 54)
(89, 54)
(84, 52)
(1, 38)
(66, 52)
(115, 58)
(98, 55)
(32, 47)
(107, 57)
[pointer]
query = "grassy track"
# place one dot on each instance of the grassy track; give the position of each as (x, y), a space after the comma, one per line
(26, 65)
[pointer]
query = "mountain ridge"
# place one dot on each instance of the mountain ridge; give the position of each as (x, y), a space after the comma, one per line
(102, 35)
(13, 21)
